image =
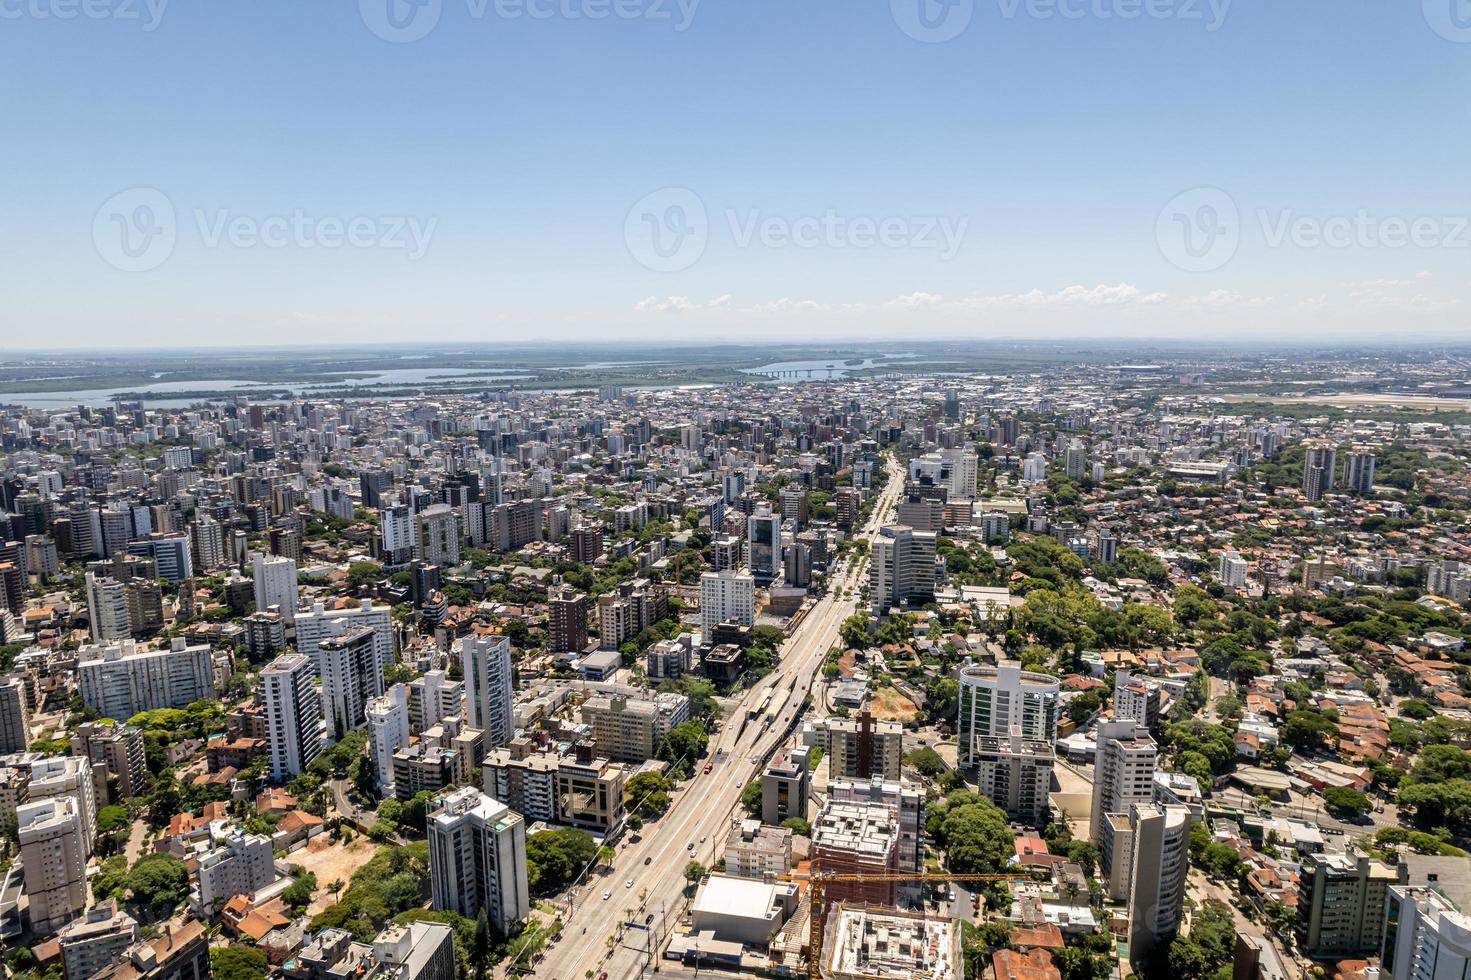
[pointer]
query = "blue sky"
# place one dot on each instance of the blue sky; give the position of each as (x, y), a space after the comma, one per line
(503, 172)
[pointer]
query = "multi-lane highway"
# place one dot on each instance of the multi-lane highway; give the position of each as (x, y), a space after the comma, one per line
(698, 820)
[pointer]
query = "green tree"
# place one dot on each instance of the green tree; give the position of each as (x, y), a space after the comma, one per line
(157, 884)
(1346, 803)
(238, 963)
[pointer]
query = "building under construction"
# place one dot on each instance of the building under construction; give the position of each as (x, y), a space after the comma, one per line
(875, 942)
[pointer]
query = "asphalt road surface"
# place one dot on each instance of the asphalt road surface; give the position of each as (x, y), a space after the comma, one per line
(704, 808)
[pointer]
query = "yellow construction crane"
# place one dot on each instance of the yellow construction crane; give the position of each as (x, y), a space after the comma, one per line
(817, 880)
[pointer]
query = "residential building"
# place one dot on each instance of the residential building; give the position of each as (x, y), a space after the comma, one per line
(1015, 773)
(753, 850)
(294, 722)
(1137, 698)
(566, 621)
(90, 943)
(107, 609)
(1426, 935)
(906, 802)
(1160, 862)
(786, 786)
(1232, 570)
(433, 697)
(70, 777)
(590, 791)
(239, 864)
(1341, 904)
(477, 859)
(117, 756)
(1123, 770)
(181, 953)
(726, 596)
(424, 766)
(275, 585)
(439, 536)
(670, 659)
(54, 853)
(1358, 472)
(630, 729)
(351, 677)
(15, 716)
(901, 567)
(419, 950)
(265, 635)
(388, 732)
(858, 838)
(862, 747)
(1318, 466)
(993, 699)
(486, 662)
(323, 624)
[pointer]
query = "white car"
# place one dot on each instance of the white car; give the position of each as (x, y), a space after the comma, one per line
(607, 895)
(628, 883)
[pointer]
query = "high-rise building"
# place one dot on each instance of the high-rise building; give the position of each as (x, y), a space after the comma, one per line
(1341, 903)
(1015, 773)
(566, 621)
(993, 699)
(726, 596)
(785, 787)
(906, 802)
(351, 677)
(1159, 862)
(763, 545)
(858, 838)
(1232, 570)
(294, 725)
(54, 853)
(1358, 472)
(15, 716)
(1123, 770)
(486, 661)
(120, 679)
(388, 731)
(1076, 460)
(323, 623)
(901, 567)
(587, 543)
(1320, 461)
(117, 755)
(275, 584)
(477, 859)
(1426, 935)
(862, 748)
(753, 850)
(432, 698)
(923, 513)
(439, 536)
(107, 609)
(1449, 579)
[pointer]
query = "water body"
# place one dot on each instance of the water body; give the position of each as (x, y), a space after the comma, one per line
(105, 396)
(827, 369)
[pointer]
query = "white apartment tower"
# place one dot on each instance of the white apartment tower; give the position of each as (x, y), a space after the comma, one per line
(293, 715)
(477, 859)
(486, 661)
(725, 596)
(388, 731)
(55, 859)
(322, 624)
(275, 584)
(902, 567)
(351, 677)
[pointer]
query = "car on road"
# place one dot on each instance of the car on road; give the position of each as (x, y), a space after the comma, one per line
(690, 846)
(649, 860)
(709, 766)
(607, 895)
(703, 839)
(628, 883)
